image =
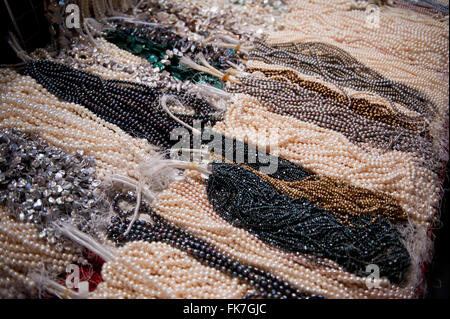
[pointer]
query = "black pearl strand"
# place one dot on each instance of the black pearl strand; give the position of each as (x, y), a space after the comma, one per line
(133, 107)
(159, 230)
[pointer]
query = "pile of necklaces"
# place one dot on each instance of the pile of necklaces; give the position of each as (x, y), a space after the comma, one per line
(226, 149)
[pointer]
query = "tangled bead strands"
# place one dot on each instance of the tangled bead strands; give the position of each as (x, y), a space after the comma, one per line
(330, 154)
(41, 184)
(338, 197)
(414, 40)
(132, 106)
(337, 66)
(437, 11)
(361, 106)
(296, 181)
(160, 230)
(246, 201)
(186, 205)
(23, 252)
(163, 48)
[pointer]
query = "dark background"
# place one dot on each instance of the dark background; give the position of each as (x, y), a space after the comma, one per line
(34, 29)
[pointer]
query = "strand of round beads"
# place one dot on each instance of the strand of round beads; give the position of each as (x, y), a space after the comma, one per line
(158, 229)
(335, 196)
(435, 129)
(337, 66)
(416, 39)
(376, 111)
(178, 275)
(132, 106)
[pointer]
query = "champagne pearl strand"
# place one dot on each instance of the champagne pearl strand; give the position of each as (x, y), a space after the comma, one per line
(186, 205)
(71, 127)
(328, 153)
(22, 253)
(174, 273)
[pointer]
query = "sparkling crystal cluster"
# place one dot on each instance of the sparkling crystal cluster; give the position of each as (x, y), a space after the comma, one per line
(41, 184)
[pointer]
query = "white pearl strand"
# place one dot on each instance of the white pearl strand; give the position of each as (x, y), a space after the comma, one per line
(329, 153)
(22, 252)
(27, 106)
(176, 274)
(186, 205)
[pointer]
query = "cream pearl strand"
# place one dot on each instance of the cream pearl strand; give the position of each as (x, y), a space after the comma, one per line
(411, 52)
(331, 154)
(177, 275)
(186, 205)
(22, 252)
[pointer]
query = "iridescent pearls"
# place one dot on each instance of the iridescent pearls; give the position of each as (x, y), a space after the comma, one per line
(157, 270)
